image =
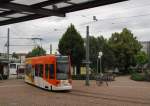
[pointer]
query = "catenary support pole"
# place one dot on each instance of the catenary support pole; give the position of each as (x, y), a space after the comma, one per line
(50, 48)
(87, 56)
(8, 40)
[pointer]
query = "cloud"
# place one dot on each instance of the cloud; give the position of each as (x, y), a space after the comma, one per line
(133, 14)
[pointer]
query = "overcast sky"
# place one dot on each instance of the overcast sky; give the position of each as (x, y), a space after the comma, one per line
(133, 14)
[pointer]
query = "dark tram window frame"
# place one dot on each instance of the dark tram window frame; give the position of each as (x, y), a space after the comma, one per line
(40, 70)
(51, 71)
(36, 70)
(46, 70)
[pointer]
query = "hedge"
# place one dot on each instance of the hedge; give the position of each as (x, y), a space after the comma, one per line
(138, 77)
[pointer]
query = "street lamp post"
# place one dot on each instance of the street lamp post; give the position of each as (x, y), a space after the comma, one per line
(87, 53)
(87, 57)
(99, 57)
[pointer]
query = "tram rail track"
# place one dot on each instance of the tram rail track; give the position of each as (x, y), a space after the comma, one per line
(96, 96)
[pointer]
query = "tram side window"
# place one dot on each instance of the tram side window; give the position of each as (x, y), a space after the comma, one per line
(40, 70)
(51, 71)
(46, 71)
(36, 70)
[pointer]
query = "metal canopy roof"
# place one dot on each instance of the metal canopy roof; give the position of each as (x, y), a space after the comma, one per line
(14, 11)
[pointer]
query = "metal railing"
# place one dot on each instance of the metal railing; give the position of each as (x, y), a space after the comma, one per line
(101, 78)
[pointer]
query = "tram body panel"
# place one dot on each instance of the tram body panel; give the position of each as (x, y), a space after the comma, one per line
(48, 76)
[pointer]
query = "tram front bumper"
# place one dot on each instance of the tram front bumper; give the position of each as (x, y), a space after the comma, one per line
(58, 88)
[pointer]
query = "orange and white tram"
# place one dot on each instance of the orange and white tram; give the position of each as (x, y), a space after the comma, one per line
(49, 72)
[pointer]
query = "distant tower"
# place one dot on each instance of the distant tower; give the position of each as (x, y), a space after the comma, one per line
(37, 41)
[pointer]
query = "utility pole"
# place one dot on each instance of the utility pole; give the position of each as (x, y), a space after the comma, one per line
(50, 48)
(87, 53)
(97, 72)
(8, 33)
(8, 44)
(87, 56)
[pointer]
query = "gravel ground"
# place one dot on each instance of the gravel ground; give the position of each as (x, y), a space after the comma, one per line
(122, 92)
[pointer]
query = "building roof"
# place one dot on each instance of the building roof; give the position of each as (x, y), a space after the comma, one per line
(14, 11)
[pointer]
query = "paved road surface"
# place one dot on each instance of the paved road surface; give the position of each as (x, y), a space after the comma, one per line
(122, 92)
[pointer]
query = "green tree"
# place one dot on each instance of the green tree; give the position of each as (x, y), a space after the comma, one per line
(108, 56)
(100, 44)
(124, 46)
(14, 55)
(72, 44)
(93, 47)
(141, 58)
(36, 51)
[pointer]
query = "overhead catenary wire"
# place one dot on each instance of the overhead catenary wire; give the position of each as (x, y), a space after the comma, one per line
(132, 7)
(22, 38)
(21, 45)
(134, 16)
(106, 19)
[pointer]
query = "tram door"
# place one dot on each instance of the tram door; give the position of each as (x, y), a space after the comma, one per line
(49, 71)
(39, 75)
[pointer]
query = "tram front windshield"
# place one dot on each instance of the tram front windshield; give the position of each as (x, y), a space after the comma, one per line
(62, 68)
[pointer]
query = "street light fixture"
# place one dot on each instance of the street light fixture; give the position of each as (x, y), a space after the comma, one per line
(100, 54)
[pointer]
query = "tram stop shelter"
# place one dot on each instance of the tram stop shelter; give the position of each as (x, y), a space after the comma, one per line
(15, 11)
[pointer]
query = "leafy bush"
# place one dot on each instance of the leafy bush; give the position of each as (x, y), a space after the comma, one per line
(137, 77)
(132, 71)
(147, 75)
